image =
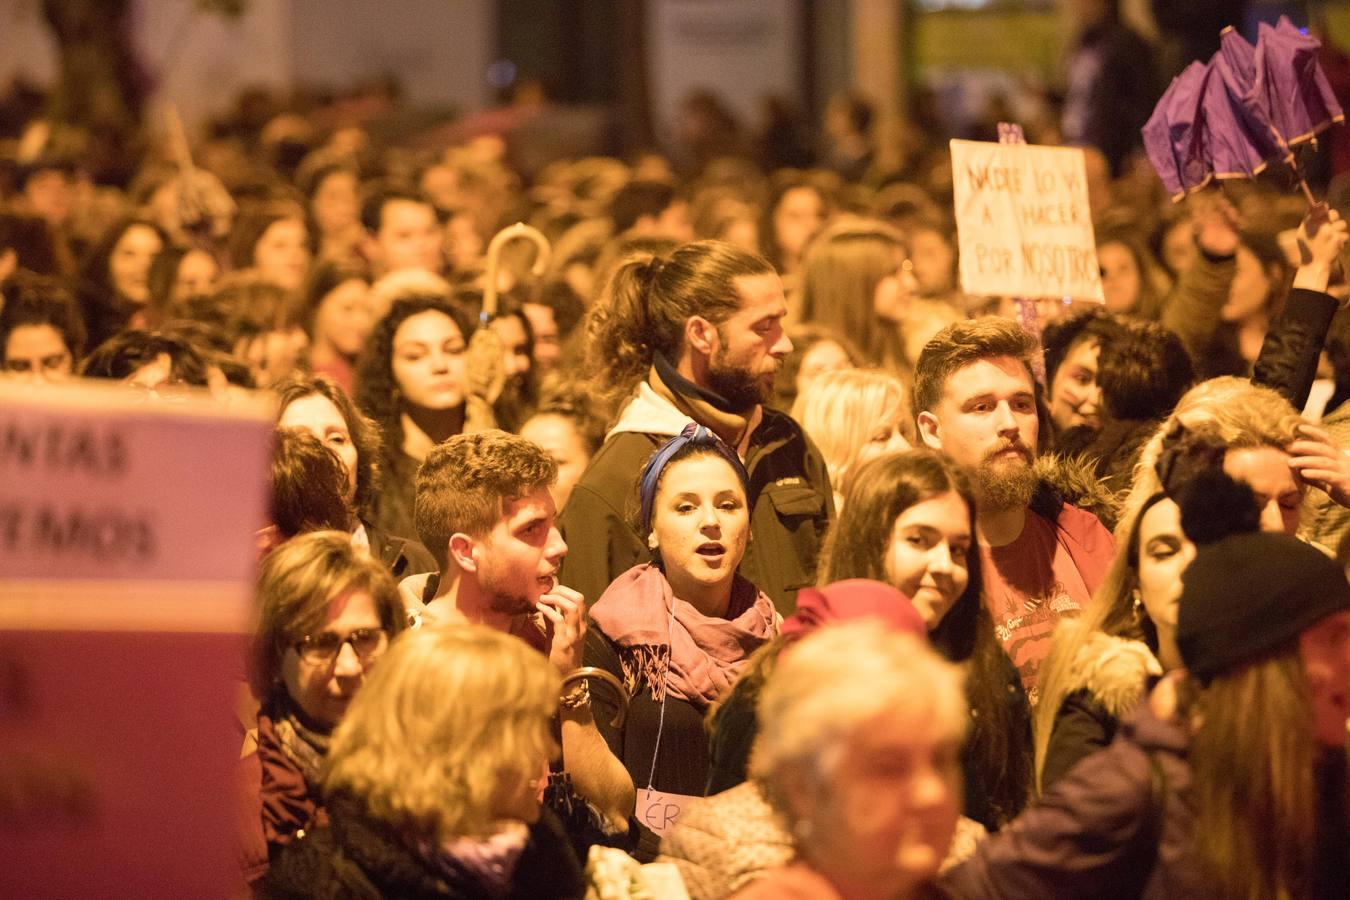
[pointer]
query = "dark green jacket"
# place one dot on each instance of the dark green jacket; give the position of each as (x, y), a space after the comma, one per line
(789, 490)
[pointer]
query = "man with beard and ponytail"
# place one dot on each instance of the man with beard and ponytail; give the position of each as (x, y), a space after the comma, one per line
(976, 399)
(696, 335)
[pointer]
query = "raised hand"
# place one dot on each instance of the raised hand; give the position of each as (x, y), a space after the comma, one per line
(1317, 460)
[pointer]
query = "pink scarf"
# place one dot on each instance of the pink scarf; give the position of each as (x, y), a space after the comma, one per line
(698, 658)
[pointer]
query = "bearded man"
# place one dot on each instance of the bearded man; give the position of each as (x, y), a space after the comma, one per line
(976, 399)
(697, 335)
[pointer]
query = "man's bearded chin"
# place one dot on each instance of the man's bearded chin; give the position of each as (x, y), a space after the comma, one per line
(511, 603)
(1005, 484)
(742, 390)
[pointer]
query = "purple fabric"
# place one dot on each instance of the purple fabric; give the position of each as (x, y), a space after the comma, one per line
(1291, 85)
(1232, 148)
(1227, 118)
(1173, 136)
(1241, 138)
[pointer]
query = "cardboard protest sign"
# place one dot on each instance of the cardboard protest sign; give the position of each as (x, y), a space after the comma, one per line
(126, 574)
(1023, 221)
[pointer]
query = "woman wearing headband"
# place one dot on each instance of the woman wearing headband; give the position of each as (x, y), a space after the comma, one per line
(678, 630)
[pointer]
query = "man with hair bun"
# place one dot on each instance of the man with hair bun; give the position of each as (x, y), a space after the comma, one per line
(697, 336)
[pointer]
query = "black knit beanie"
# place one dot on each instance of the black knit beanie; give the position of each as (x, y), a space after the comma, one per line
(1247, 592)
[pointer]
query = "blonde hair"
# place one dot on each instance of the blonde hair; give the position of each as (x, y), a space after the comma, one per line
(841, 410)
(1234, 411)
(452, 714)
(296, 584)
(835, 683)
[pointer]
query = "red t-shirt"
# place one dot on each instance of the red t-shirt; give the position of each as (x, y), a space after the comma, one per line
(1029, 585)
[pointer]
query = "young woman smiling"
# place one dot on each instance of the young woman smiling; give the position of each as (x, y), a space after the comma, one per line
(114, 290)
(908, 522)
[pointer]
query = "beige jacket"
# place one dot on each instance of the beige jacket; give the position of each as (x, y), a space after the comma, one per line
(723, 842)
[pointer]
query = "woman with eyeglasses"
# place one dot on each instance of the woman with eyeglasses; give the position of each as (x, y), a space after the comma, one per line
(326, 613)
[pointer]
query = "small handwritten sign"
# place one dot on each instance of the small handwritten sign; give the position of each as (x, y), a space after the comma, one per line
(1023, 221)
(659, 810)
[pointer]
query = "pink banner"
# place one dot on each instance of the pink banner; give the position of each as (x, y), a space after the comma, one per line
(126, 571)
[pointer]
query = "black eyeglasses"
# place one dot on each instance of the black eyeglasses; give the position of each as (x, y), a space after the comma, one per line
(321, 649)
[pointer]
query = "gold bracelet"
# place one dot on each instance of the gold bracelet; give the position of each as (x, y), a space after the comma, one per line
(577, 697)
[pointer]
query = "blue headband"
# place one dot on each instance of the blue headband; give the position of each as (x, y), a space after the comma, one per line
(692, 434)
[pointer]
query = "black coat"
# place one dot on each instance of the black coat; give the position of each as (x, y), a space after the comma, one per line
(1289, 355)
(359, 857)
(401, 556)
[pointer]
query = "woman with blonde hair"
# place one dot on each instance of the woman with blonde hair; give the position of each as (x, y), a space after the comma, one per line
(854, 415)
(857, 279)
(859, 746)
(326, 614)
(432, 782)
(1099, 664)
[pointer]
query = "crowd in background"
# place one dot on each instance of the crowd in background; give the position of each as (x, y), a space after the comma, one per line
(736, 498)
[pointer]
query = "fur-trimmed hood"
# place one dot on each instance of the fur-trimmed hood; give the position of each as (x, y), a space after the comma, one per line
(1072, 479)
(1113, 670)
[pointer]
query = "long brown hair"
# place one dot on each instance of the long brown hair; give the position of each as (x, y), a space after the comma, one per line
(839, 278)
(999, 743)
(1253, 761)
(1112, 613)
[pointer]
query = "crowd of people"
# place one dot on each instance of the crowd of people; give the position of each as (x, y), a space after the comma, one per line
(731, 535)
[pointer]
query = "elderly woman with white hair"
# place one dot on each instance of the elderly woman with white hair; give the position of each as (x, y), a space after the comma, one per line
(859, 750)
(433, 778)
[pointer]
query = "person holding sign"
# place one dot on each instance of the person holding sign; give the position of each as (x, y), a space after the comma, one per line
(678, 631)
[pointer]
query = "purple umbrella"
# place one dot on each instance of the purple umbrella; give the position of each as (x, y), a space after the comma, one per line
(1234, 92)
(1240, 142)
(1228, 118)
(1200, 130)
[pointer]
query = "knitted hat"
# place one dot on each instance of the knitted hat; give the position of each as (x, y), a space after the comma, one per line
(1247, 593)
(854, 598)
